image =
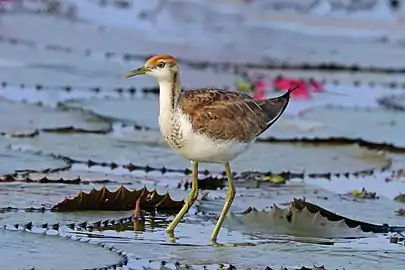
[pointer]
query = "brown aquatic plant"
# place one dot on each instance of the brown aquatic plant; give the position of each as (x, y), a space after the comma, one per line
(120, 200)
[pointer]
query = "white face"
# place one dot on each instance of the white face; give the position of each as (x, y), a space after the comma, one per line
(163, 71)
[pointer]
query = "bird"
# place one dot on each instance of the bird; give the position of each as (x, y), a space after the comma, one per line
(207, 125)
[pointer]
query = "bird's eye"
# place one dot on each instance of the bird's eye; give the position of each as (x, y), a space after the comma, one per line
(161, 65)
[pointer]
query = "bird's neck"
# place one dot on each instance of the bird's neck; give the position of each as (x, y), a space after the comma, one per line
(170, 90)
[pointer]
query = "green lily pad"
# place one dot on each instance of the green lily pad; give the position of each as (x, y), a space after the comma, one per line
(329, 217)
(53, 68)
(86, 177)
(12, 162)
(194, 231)
(373, 125)
(261, 156)
(27, 118)
(23, 203)
(302, 218)
(51, 252)
(143, 112)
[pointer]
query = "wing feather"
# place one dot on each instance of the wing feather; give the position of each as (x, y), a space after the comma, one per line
(226, 115)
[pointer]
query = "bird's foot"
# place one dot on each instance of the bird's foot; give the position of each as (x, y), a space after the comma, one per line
(170, 234)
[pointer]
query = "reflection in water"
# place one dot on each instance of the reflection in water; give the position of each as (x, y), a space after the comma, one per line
(142, 224)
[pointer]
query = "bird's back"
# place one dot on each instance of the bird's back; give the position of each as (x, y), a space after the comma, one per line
(226, 115)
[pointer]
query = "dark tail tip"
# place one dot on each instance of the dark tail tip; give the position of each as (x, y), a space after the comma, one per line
(290, 90)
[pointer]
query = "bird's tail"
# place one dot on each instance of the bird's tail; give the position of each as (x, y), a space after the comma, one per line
(277, 106)
(289, 91)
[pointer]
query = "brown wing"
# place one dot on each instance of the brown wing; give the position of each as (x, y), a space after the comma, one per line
(230, 115)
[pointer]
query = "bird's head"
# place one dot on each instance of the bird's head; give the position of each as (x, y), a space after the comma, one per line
(161, 66)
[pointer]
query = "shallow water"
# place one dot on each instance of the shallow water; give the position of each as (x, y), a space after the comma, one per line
(45, 148)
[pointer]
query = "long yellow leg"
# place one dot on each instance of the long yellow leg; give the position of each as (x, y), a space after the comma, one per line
(228, 202)
(192, 197)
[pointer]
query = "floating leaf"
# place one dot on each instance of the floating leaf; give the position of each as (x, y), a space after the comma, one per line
(17, 162)
(276, 157)
(60, 68)
(43, 180)
(302, 218)
(27, 119)
(301, 56)
(51, 252)
(76, 177)
(324, 193)
(373, 125)
(346, 93)
(37, 197)
(91, 146)
(143, 112)
(120, 200)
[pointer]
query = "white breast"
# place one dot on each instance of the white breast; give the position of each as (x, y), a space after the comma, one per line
(201, 148)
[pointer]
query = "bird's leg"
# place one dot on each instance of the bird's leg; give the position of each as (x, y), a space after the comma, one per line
(228, 202)
(192, 197)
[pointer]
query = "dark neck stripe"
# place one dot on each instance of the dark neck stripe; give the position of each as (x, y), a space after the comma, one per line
(173, 90)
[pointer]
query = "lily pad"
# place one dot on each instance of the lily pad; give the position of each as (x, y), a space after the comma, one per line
(194, 232)
(386, 184)
(263, 157)
(373, 125)
(14, 162)
(52, 252)
(49, 95)
(32, 202)
(143, 112)
(315, 124)
(27, 118)
(194, 235)
(371, 211)
(344, 95)
(82, 177)
(45, 66)
(302, 218)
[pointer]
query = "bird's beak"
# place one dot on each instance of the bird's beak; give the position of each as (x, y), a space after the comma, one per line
(138, 71)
